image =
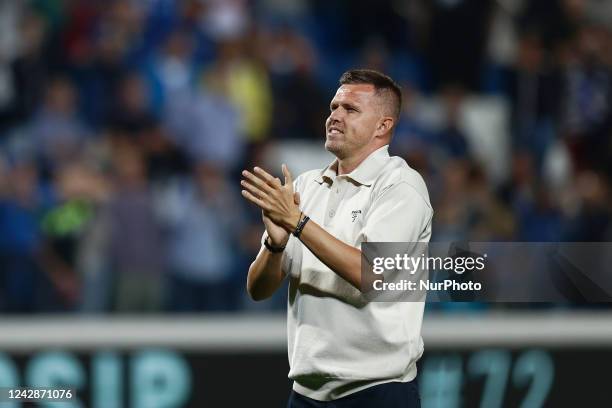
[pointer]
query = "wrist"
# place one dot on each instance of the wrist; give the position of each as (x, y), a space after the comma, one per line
(292, 221)
(300, 226)
(270, 246)
(278, 242)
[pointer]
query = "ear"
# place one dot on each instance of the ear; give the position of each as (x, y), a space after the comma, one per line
(384, 125)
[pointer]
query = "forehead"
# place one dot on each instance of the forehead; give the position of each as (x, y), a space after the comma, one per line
(359, 93)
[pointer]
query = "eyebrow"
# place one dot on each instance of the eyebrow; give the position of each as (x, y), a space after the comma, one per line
(344, 104)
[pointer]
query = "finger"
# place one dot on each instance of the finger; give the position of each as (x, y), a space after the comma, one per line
(296, 198)
(257, 181)
(257, 192)
(253, 199)
(264, 175)
(287, 173)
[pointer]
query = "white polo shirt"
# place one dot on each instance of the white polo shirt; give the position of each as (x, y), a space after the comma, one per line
(338, 342)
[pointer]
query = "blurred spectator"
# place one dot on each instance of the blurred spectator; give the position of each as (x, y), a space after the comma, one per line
(533, 91)
(468, 209)
(172, 70)
(413, 139)
(56, 130)
(81, 190)
(97, 39)
(164, 157)
(22, 206)
(29, 70)
(586, 112)
(489, 219)
(503, 32)
(78, 190)
(294, 12)
(133, 120)
(135, 248)
(131, 111)
(226, 20)
(206, 126)
(592, 220)
(204, 221)
(385, 20)
(538, 217)
(242, 79)
(10, 19)
(456, 41)
(291, 60)
(450, 139)
(452, 221)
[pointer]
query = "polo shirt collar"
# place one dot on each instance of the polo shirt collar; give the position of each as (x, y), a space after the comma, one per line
(364, 174)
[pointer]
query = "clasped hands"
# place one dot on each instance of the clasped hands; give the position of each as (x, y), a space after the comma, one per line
(278, 202)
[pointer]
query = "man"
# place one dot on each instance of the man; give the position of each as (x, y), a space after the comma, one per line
(343, 350)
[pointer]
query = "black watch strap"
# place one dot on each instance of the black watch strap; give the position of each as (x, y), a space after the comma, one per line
(300, 226)
(273, 249)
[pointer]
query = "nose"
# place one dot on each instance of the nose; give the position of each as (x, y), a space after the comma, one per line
(331, 121)
(334, 116)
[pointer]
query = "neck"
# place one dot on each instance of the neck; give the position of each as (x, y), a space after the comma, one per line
(348, 164)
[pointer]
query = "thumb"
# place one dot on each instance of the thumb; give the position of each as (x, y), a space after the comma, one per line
(296, 198)
(287, 173)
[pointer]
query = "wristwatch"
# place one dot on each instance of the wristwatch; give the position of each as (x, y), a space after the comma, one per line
(273, 249)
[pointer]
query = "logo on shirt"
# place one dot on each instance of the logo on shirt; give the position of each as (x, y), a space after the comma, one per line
(354, 214)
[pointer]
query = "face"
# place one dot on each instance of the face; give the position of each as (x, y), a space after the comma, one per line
(352, 123)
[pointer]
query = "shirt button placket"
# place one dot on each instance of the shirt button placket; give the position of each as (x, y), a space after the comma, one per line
(334, 200)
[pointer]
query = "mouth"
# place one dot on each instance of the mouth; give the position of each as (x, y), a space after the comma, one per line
(332, 131)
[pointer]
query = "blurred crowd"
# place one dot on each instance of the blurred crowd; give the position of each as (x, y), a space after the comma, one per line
(124, 125)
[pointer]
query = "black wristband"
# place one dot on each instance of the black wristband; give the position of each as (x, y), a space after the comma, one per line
(273, 249)
(300, 226)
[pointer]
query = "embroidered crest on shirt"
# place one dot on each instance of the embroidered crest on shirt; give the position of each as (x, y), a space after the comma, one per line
(354, 214)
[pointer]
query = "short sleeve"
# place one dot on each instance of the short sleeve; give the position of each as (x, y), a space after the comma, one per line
(398, 214)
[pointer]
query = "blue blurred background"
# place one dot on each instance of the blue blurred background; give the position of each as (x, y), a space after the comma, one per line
(124, 126)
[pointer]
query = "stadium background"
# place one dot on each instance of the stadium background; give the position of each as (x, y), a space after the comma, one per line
(124, 241)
